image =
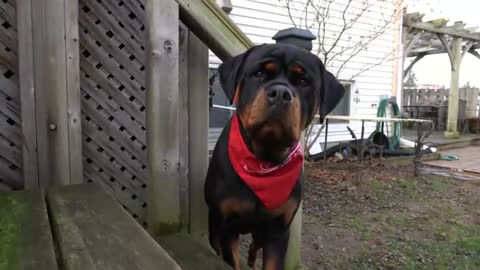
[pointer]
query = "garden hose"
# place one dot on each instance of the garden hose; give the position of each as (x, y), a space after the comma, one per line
(382, 112)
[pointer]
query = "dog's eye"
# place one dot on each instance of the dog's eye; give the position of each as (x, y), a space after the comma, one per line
(260, 74)
(302, 81)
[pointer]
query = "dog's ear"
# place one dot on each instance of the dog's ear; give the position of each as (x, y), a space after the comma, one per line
(230, 73)
(331, 92)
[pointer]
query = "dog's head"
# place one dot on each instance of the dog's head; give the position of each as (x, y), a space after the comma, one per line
(278, 89)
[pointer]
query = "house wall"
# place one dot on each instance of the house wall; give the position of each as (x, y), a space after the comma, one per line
(261, 19)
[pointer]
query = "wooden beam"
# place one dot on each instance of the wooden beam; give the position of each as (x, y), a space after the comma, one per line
(467, 48)
(409, 45)
(198, 114)
(446, 45)
(410, 66)
(210, 23)
(162, 108)
(440, 22)
(27, 93)
(417, 52)
(474, 53)
(427, 27)
(56, 69)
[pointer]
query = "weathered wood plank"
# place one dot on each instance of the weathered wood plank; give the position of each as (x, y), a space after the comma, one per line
(50, 80)
(7, 39)
(25, 238)
(72, 66)
(118, 129)
(210, 23)
(7, 12)
(111, 87)
(111, 45)
(95, 171)
(27, 96)
(113, 25)
(95, 232)
(129, 22)
(162, 116)
(110, 64)
(198, 112)
(10, 177)
(9, 87)
(12, 154)
(113, 150)
(183, 132)
(9, 132)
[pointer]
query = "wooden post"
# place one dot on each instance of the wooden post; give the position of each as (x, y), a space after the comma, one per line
(162, 117)
(472, 102)
(27, 93)
(456, 60)
(198, 133)
(183, 119)
(293, 259)
(57, 91)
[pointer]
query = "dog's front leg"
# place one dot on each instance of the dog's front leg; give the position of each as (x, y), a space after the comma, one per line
(274, 251)
(231, 249)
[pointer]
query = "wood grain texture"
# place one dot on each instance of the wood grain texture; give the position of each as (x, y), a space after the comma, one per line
(162, 117)
(11, 111)
(93, 231)
(25, 234)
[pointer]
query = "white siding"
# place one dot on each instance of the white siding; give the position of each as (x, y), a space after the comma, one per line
(261, 19)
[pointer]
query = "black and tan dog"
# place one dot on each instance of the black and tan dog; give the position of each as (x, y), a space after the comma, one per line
(254, 181)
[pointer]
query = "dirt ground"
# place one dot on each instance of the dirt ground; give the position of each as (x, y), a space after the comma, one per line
(381, 217)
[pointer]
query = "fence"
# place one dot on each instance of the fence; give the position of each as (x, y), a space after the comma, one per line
(40, 111)
(439, 96)
(11, 172)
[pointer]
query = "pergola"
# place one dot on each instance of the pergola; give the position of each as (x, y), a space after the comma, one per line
(437, 37)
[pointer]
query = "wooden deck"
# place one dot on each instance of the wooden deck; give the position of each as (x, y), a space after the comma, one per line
(81, 227)
(438, 138)
(468, 160)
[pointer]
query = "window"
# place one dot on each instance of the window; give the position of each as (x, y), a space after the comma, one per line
(343, 107)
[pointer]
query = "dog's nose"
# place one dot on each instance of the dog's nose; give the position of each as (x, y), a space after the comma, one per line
(279, 94)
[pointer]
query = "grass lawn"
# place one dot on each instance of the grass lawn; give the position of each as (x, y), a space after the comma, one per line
(389, 219)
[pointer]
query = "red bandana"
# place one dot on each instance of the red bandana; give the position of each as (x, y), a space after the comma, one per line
(272, 184)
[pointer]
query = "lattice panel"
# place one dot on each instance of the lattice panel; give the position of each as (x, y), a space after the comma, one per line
(11, 176)
(112, 72)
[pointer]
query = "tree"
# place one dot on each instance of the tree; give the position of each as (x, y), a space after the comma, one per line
(338, 42)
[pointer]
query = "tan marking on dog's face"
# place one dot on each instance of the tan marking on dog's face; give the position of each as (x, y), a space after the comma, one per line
(296, 70)
(271, 67)
(256, 111)
(294, 119)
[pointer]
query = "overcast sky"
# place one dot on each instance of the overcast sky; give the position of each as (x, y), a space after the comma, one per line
(436, 69)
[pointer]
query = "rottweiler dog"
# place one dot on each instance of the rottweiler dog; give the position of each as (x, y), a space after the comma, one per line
(254, 180)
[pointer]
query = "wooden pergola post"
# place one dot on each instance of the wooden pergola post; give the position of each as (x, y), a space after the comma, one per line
(162, 117)
(453, 96)
(429, 38)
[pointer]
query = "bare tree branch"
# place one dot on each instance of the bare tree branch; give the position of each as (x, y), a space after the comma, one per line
(322, 18)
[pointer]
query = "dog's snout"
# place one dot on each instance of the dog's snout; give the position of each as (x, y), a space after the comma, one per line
(279, 94)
